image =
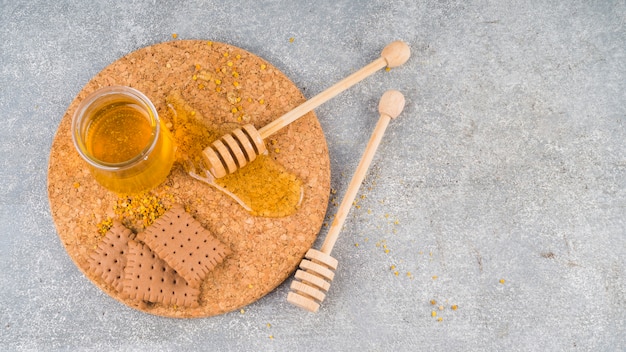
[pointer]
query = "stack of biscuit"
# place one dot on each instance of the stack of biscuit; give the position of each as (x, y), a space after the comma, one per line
(165, 264)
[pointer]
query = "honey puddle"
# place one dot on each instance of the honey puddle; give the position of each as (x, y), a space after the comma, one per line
(263, 187)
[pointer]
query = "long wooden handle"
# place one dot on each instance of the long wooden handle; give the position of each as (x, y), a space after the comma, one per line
(394, 54)
(390, 106)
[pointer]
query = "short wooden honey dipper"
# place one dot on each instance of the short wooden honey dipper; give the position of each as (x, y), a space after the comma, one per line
(317, 270)
(241, 146)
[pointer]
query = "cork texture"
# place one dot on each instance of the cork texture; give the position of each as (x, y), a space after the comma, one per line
(265, 251)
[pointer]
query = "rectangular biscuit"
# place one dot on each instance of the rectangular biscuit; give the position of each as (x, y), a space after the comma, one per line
(147, 277)
(184, 244)
(109, 258)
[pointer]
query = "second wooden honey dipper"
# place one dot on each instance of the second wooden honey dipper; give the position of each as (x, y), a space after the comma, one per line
(312, 280)
(240, 147)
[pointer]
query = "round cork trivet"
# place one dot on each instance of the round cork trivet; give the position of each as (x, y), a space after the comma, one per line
(265, 251)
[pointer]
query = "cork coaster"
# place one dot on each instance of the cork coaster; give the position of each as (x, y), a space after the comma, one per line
(265, 251)
(180, 240)
(148, 278)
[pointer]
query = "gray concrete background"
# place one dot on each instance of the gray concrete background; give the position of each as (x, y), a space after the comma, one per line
(508, 163)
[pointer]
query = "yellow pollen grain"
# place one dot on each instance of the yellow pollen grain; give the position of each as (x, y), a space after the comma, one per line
(218, 82)
(454, 307)
(263, 66)
(174, 35)
(233, 110)
(198, 67)
(225, 54)
(387, 68)
(194, 77)
(229, 64)
(262, 101)
(238, 57)
(218, 89)
(209, 43)
(236, 84)
(502, 281)
(433, 313)
(104, 226)
(291, 39)
(76, 185)
(433, 302)
(439, 319)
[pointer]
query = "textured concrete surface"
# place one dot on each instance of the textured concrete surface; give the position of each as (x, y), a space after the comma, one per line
(508, 164)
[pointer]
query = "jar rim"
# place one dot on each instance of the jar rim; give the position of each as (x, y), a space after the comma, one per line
(136, 96)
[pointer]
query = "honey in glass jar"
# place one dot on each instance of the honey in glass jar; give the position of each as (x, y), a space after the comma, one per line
(117, 131)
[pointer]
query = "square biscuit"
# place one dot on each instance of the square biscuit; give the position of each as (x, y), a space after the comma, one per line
(184, 244)
(147, 277)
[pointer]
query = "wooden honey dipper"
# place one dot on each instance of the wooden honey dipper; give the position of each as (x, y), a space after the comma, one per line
(241, 146)
(317, 270)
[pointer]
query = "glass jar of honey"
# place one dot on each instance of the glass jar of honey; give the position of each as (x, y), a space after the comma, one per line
(117, 131)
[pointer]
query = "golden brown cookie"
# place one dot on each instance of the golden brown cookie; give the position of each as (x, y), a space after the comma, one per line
(182, 242)
(148, 278)
(109, 258)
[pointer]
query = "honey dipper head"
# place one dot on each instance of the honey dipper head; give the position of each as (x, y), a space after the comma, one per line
(396, 53)
(391, 103)
(233, 151)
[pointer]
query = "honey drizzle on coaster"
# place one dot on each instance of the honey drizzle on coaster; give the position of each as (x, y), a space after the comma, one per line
(263, 187)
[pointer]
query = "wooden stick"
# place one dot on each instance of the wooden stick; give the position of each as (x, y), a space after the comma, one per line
(394, 54)
(312, 280)
(240, 147)
(390, 106)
